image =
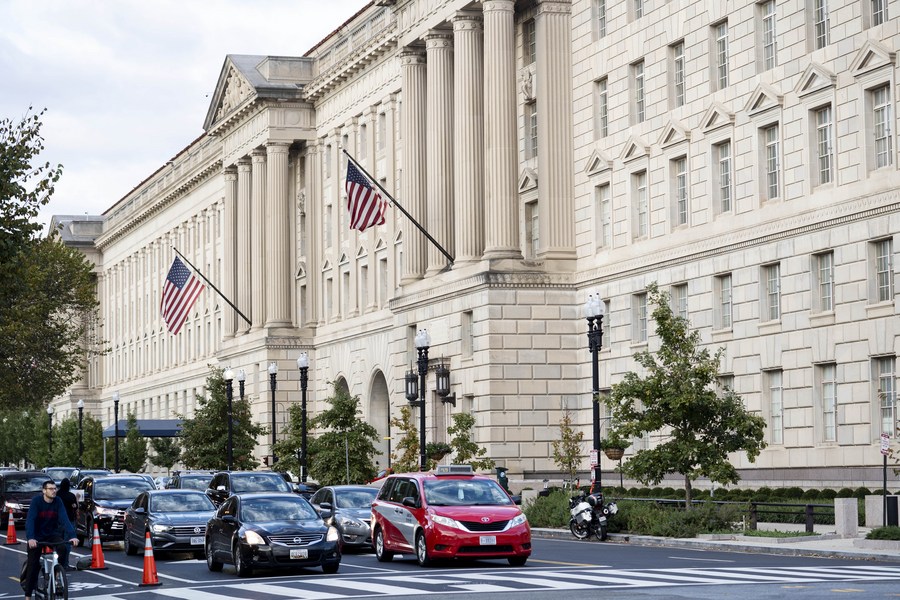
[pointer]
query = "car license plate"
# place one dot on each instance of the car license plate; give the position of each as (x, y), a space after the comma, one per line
(299, 553)
(487, 540)
(197, 540)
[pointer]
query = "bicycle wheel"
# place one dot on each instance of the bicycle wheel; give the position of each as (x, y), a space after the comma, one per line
(60, 583)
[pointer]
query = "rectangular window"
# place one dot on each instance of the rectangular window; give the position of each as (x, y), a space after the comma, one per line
(680, 190)
(677, 71)
(328, 161)
(820, 23)
(772, 282)
(467, 334)
(772, 161)
(601, 98)
(722, 159)
(823, 276)
(824, 145)
(637, 75)
(638, 8)
(601, 18)
(529, 41)
(776, 405)
(639, 335)
(722, 290)
(382, 282)
(363, 141)
(532, 230)
(828, 393)
(881, 121)
(642, 209)
(531, 130)
(603, 204)
(382, 131)
(879, 11)
(884, 270)
(769, 53)
(886, 393)
(721, 55)
(680, 300)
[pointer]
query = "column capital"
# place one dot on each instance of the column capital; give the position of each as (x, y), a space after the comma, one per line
(230, 173)
(554, 7)
(277, 147)
(412, 55)
(438, 38)
(499, 5)
(258, 155)
(467, 20)
(243, 164)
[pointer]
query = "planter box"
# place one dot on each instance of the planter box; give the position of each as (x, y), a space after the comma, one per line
(878, 544)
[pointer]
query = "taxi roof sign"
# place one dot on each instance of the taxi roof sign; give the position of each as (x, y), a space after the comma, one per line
(454, 470)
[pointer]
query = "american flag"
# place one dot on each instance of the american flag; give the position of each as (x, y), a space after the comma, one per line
(179, 294)
(365, 204)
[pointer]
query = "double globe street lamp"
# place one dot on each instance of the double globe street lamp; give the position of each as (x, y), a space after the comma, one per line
(303, 365)
(415, 388)
(594, 311)
(50, 430)
(80, 433)
(115, 398)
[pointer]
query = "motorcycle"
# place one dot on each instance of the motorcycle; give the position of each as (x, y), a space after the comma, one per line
(590, 515)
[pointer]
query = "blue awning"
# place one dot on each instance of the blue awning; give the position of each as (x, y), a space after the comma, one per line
(147, 428)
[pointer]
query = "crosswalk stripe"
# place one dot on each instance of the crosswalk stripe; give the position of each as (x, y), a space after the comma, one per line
(288, 592)
(484, 587)
(800, 572)
(366, 586)
(740, 576)
(187, 594)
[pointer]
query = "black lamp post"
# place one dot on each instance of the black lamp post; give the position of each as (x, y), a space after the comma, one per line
(50, 431)
(229, 396)
(303, 365)
(593, 312)
(442, 374)
(423, 341)
(80, 433)
(273, 371)
(116, 420)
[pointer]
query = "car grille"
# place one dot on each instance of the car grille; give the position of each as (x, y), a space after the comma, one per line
(301, 539)
(485, 549)
(185, 530)
(477, 526)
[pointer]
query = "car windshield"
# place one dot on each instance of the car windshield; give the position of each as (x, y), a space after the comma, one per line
(180, 503)
(59, 474)
(288, 508)
(195, 482)
(119, 489)
(258, 483)
(354, 498)
(25, 484)
(465, 492)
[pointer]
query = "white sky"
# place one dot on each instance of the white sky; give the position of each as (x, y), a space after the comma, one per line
(127, 83)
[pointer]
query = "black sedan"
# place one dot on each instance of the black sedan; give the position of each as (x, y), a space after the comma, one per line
(270, 530)
(176, 520)
(349, 508)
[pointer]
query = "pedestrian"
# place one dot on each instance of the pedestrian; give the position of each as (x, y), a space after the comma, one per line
(47, 522)
(71, 503)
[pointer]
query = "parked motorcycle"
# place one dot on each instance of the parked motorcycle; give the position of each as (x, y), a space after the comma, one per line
(590, 515)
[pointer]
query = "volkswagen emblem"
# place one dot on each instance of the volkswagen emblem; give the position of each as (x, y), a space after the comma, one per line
(298, 540)
(485, 519)
(198, 530)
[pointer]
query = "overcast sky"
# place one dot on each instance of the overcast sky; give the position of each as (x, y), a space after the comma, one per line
(127, 83)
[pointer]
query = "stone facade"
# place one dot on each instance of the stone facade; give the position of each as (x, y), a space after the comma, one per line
(742, 155)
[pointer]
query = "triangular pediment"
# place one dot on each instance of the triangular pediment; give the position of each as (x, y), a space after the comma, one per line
(344, 259)
(399, 237)
(673, 133)
(380, 244)
(361, 252)
(873, 55)
(326, 266)
(716, 116)
(597, 163)
(814, 78)
(763, 98)
(634, 148)
(527, 180)
(232, 91)
(301, 270)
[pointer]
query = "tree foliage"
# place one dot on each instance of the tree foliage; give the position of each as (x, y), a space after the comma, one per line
(204, 438)
(567, 450)
(166, 451)
(345, 451)
(678, 400)
(405, 458)
(133, 451)
(466, 450)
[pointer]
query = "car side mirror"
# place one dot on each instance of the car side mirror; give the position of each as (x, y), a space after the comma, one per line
(410, 502)
(220, 488)
(517, 499)
(229, 519)
(140, 511)
(326, 510)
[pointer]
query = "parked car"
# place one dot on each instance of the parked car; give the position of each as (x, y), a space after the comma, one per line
(225, 483)
(190, 480)
(150, 479)
(105, 499)
(270, 530)
(451, 513)
(349, 509)
(79, 474)
(161, 482)
(59, 473)
(175, 519)
(382, 474)
(17, 488)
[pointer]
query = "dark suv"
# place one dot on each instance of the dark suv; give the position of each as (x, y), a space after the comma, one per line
(17, 488)
(190, 480)
(226, 483)
(105, 499)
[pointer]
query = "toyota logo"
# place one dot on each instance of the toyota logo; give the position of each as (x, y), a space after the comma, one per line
(198, 530)
(485, 519)
(298, 540)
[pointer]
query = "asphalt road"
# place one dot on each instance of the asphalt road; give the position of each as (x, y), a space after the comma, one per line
(556, 570)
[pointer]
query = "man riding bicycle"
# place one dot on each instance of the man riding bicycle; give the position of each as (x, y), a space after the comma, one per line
(46, 522)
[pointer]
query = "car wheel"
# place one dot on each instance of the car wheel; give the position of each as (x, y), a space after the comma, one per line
(130, 548)
(331, 569)
(211, 563)
(517, 561)
(422, 550)
(240, 566)
(380, 553)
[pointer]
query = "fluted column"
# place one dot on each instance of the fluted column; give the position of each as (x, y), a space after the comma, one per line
(501, 150)
(244, 200)
(468, 127)
(553, 30)
(414, 123)
(229, 249)
(314, 231)
(257, 264)
(439, 145)
(277, 238)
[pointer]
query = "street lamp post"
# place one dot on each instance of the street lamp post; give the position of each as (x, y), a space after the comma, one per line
(116, 419)
(50, 431)
(80, 433)
(422, 341)
(229, 396)
(273, 382)
(303, 365)
(593, 312)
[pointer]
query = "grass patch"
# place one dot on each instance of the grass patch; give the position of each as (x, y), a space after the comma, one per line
(777, 533)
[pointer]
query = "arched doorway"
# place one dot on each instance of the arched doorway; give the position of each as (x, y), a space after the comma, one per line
(380, 419)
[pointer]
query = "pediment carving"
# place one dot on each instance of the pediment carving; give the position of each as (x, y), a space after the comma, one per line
(763, 98)
(527, 180)
(814, 78)
(326, 266)
(597, 163)
(236, 91)
(873, 55)
(674, 133)
(634, 148)
(716, 116)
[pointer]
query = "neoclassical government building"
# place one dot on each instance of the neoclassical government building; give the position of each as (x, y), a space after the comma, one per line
(742, 154)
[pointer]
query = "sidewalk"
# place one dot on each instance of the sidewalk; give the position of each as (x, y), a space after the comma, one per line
(827, 544)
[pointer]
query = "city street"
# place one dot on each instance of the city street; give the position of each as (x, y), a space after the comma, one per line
(590, 569)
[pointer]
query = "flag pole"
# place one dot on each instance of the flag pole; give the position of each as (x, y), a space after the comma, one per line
(211, 285)
(397, 204)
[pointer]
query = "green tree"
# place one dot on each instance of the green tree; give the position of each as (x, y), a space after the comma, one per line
(65, 442)
(166, 451)
(678, 400)
(48, 307)
(204, 438)
(133, 451)
(346, 444)
(567, 450)
(466, 450)
(405, 458)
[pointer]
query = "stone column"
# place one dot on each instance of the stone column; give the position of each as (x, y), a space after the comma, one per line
(501, 197)
(314, 233)
(553, 30)
(229, 249)
(413, 124)
(278, 232)
(439, 146)
(257, 264)
(243, 242)
(468, 140)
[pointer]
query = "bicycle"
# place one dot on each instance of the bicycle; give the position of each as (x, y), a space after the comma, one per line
(52, 584)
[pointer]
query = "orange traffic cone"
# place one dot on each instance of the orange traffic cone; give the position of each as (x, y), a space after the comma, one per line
(11, 538)
(150, 577)
(97, 562)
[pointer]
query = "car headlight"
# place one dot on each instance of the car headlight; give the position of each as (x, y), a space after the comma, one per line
(446, 521)
(13, 505)
(160, 528)
(102, 510)
(345, 521)
(254, 539)
(519, 519)
(332, 535)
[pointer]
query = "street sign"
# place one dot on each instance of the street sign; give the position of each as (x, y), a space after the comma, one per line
(594, 462)
(885, 443)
